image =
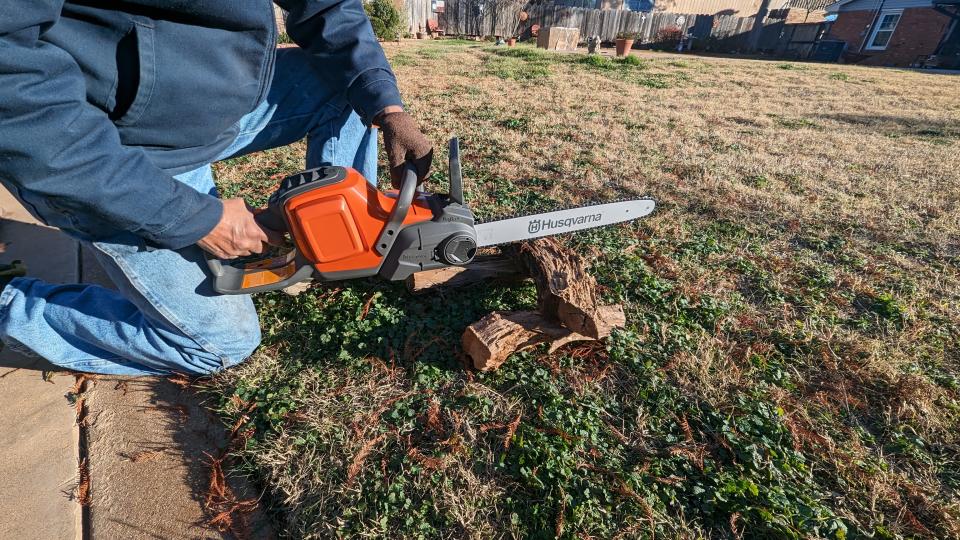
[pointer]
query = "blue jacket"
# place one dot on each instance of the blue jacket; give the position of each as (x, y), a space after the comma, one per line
(101, 102)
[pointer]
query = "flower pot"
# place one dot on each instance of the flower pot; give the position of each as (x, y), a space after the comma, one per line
(419, 35)
(511, 42)
(624, 46)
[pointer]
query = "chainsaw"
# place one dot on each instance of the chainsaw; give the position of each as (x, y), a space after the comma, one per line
(343, 227)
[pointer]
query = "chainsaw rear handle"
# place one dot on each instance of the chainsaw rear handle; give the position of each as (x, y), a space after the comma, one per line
(271, 217)
(252, 274)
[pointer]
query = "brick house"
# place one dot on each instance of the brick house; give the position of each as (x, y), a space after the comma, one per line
(898, 32)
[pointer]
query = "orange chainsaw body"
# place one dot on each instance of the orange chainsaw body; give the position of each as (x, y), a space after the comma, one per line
(342, 227)
(336, 226)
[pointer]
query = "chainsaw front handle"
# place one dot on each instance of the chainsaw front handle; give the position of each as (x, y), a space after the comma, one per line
(408, 190)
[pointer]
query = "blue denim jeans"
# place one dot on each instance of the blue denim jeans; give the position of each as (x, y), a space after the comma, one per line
(164, 316)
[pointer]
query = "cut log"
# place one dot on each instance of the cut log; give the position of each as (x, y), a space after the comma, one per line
(495, 337)
(482, 268)
(566, 292)
(491, 340)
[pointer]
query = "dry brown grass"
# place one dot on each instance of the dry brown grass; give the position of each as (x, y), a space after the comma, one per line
(876, 154)
(344, 412)
(819, 203)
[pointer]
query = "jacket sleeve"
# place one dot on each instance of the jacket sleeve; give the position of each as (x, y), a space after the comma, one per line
(338, 35)
(56, 145)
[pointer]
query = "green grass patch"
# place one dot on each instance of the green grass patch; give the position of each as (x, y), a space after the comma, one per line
(403, 60)
(794, 123)
(518, 123)
(432, 53)
(596, 61)
(630, 60)
(529, 54)
(515, 69)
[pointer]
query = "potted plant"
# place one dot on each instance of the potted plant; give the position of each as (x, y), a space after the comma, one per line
(511, 42)
(625, 42)
(420, 34)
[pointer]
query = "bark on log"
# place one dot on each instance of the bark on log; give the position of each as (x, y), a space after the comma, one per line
(565, 291)
(491, 340)
(567, 301)
(482, 268)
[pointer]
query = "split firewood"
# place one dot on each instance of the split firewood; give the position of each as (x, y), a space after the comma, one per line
(566, 292)
(568, 306)
(482, 268)
(491, 340)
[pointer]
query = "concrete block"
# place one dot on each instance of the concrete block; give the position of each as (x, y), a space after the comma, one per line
(558, 38)
(38, 432)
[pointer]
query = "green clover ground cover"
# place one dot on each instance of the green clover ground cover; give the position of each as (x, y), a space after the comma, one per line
(772, 381)
(599, 440)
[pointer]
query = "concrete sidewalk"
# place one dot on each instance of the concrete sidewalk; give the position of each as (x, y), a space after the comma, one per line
(38, 429)
(143, 442)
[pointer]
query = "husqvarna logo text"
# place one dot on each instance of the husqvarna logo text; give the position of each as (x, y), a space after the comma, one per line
(537, 225)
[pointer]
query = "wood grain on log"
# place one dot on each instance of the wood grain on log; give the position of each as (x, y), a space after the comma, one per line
(567, 301)
(566, 292)
(482, 268)
(495, 337)
(491, 340)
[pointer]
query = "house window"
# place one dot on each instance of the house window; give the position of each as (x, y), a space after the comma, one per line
(883, 31)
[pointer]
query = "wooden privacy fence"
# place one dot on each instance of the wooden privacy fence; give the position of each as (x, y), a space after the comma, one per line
(502, 18)
(419, 13)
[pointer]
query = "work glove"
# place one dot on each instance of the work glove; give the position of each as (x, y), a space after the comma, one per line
(404, 142)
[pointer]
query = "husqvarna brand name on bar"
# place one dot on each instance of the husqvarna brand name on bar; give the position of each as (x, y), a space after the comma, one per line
(537, 225)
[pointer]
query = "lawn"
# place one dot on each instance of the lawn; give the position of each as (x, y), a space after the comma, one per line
(791, 362)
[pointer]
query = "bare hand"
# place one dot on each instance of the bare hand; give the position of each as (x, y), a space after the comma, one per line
(238, 234)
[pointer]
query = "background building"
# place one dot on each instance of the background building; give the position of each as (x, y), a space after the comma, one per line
(898, 32)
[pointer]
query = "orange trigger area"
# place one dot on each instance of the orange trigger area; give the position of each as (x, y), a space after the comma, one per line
(335, 226)
(269, 276)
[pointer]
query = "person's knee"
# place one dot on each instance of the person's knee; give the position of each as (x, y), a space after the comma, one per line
(230, 349)
(241, 346)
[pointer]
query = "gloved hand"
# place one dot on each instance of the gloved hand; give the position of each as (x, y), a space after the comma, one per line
(404, 141)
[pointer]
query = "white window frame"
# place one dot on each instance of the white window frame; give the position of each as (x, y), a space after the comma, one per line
(876, 29)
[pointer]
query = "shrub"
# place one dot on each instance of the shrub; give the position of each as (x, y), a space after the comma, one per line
(668, 37)
(385, 19)
(630, 60)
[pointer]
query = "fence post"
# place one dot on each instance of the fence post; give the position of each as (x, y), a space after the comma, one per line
(754, 38)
